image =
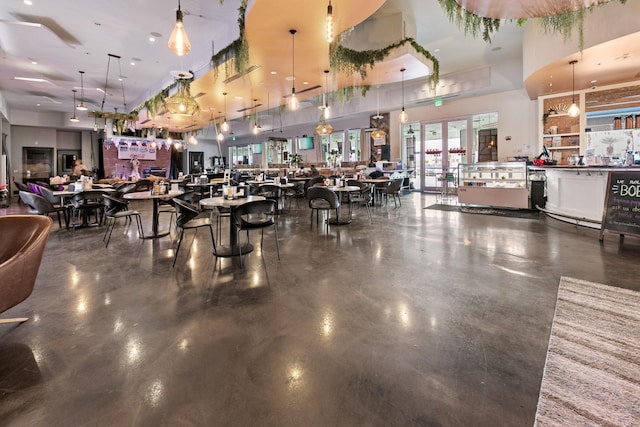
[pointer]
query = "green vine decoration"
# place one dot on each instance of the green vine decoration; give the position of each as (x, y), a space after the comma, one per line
(349, 61)
(237, 52)
(153, 104)
(345, 94)
(561, 23)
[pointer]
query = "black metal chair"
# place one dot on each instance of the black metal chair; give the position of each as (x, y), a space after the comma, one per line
(186, 219)
(86, 203)
(41, 206)
(323, 199)
(393, 190)
(363, 196)
(271, 192)
(117, 208)
(258, 214)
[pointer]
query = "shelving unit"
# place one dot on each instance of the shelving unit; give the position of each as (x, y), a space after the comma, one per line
(560, 132)
(500, 184)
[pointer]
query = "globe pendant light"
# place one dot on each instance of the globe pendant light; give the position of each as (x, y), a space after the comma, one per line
(403, 117)
(573, 110)
(324, 128)
(179, 42)
(81, 106)
(256, 126)
(292, 102)
(330, 23)
(378, 133)
(225, 125)
(74, 118)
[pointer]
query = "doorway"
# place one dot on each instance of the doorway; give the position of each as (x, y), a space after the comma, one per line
(196, 162)
(445, 146)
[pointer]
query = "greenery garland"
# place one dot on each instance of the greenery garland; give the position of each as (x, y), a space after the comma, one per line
(561, 23)
(349, 61)
(153, 104)
(237, 51)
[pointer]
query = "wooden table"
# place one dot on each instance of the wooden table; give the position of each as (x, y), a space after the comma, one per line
(146, 195)
(234, 245)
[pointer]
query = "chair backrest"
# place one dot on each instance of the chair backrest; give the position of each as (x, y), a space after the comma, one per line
(22, 187)
(394, 185)
(255, 207)
(90, 197)
(184, 212)
(315, 180)
(270, 191)
(113, 205)
(128, 188)
(323, 193)
(39, 204)
(48, 194)
(34, 187)
(22, 242)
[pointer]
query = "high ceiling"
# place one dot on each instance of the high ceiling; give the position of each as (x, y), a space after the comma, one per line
(75, 37)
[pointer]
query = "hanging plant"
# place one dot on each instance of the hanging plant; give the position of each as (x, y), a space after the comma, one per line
(237, 52)
(349, 61)
(560, 23)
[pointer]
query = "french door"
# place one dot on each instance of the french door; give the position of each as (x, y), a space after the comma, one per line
(445, 145)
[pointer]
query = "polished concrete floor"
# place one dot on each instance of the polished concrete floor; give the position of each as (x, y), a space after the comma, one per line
(423, 318)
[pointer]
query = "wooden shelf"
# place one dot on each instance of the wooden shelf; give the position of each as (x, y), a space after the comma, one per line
(568, 147)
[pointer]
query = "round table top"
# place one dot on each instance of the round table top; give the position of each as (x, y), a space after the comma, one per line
(348, 188)
(277, 184)
(71, 193)
(206, 184)
(221, 201)
(144, 195)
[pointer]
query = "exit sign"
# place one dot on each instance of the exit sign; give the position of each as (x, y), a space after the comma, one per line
(437, 102)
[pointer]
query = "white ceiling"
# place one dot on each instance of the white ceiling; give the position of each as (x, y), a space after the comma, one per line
(78, 36)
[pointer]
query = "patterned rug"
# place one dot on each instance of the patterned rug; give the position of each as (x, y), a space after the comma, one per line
(592, 373)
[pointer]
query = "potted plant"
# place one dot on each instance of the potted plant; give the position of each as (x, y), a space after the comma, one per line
(295, 160)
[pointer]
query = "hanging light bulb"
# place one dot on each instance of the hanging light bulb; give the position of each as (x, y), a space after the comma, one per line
(378, 133)
(193, 140)
(293, 103)
(81, 106)
(179, 42)
(74, 118)
(225, 126)
(220, 136)
(329, 23)
(403, 117)
(574, 110)
(256, 129)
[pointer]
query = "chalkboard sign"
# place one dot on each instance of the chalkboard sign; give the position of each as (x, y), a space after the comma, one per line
(622, 204)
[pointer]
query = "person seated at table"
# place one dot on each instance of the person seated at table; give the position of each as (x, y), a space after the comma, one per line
(314, 171)
(79, 168)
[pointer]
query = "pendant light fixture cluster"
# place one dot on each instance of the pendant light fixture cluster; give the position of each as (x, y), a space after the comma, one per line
(403, 117)
(573, 110)
(292, 102)
(179, 42)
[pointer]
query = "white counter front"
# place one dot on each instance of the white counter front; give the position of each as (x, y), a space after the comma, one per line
(578, 192)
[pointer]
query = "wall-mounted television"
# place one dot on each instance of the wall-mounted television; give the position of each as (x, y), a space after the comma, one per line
(305, 143)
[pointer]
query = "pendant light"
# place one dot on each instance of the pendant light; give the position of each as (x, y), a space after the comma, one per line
(378, 133)
(179, 42)
(74, 118)
(330, 23)
(324, 128)
(256, 126)
(403, 117)
(292, 102)
(81, 106)
(225, 125)
(573, 110)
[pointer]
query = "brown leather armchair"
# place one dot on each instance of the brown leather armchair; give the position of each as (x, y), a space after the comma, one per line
(22, 242)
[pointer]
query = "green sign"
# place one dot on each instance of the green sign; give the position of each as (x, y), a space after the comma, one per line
(437, 102)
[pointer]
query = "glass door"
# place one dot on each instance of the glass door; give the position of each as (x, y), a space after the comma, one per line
(445, 146)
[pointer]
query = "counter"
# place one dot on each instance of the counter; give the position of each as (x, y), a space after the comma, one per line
(578, 191)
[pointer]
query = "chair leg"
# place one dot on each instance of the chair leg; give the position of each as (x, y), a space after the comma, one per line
(14, 320)
(140, 230)
(113, 224)
(213, 241)
(181, 230)
(240, 248)
(275, 228)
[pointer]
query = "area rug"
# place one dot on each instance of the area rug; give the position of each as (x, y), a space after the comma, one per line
(511, 213)
(592, 373)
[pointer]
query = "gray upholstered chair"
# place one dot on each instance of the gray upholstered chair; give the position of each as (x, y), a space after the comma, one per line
(40, 206)
(22, 242)
(323, 199)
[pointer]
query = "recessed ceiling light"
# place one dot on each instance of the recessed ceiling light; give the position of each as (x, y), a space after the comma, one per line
(28, 2)
(238, 97)
(274, 72)
(133, 63)
(152, 39)
(305, 83)
(34, 62)
(37, 105)
(594, 81)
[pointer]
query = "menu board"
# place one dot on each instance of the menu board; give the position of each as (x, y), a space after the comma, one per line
(622, 204)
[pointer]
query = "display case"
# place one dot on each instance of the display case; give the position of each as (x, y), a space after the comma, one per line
(500, 184)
